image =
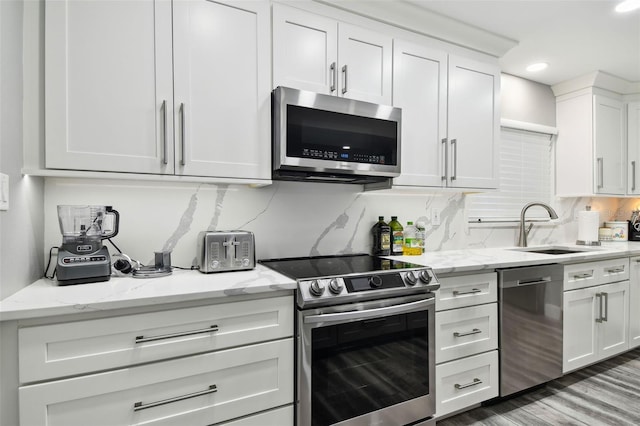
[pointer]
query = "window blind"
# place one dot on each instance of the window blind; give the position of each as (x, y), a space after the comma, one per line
(526, 175)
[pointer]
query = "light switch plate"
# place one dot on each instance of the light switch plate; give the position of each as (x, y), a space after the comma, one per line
(435, 217)
(4, 191)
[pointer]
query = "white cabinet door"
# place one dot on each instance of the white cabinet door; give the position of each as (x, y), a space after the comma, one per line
(473, 114)
(196, 390)
(420, 89)
(595, 324)
(364, 61)
(613, 330)
(611, 153)
(579, 329)
(322, 55)
(634, 303)
(222, 93)
(633, 147)
(108, 86)
(305, 50)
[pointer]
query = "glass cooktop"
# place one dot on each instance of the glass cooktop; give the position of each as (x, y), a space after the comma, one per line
(323, 266)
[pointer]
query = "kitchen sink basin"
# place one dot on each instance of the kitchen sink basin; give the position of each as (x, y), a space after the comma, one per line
(554, 250)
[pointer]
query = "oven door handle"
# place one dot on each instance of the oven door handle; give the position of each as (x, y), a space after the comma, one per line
(369, 313)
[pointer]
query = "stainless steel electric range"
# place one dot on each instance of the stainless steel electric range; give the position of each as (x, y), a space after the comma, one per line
(365, 340)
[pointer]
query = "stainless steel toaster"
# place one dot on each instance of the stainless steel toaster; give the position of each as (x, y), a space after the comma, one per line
(220, 251)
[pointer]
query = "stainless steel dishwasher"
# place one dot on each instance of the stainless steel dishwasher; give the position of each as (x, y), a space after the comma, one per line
(530, 303)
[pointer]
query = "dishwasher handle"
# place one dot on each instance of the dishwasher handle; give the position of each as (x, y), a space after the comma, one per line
(530, 275)
(527, 282)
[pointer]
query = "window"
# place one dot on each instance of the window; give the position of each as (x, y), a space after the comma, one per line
(526, 175)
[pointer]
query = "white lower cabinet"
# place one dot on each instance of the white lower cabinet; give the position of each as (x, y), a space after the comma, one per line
(466, 342)
(465, 382)
(596, 321)
(634, 303)
(227, 362)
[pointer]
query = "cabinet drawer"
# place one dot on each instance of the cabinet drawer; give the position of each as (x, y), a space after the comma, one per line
(467, 290)
(466, 331)
(59, 350)
(466, 382)
(582, 275)
(196, 390)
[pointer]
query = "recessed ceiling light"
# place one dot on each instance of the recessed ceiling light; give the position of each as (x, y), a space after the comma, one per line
(628, 6)
(537, 67)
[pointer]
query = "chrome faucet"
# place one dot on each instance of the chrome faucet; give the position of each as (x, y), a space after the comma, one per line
(522, 240)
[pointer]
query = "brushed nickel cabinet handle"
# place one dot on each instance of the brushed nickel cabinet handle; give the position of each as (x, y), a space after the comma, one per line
(599, 297)
(605, 302)
(446, 159)
(454, 146)
(600, 162)
(333, 70)
(344, 79)
(633, 175)
(583, 276)
(468, 333)
(140, 406)
(615, 270)
(460, 293)
(475, 382)
(164, 132)
(182, 134)
(142, 339)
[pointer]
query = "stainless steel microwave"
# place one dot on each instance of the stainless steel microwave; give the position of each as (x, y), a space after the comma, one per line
(331, 139)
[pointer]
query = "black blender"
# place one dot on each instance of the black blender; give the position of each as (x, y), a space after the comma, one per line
(83, 258)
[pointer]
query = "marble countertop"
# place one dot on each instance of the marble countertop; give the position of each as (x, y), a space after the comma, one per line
(468, 260)
(46, 298)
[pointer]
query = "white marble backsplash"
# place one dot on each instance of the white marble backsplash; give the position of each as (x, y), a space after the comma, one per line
(293, 219)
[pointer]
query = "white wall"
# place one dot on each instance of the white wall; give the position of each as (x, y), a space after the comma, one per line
(528, 101)
(21, 227)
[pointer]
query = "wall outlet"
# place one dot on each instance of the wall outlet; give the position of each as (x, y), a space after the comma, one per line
(4, 191)
(435, 217)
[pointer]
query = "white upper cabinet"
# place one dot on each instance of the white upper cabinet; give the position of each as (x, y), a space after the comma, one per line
(474, 123)
(112, 70)
(450, 118)
(222, 104)
(420, 89)
(319, 54)
(591, 151)
(108, 86)
(633, 148)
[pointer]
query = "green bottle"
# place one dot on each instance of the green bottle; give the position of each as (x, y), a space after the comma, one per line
(381, 238)
(397, 237)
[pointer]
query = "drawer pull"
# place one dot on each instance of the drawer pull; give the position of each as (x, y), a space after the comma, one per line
(583, 276)
(468, 333)
(140, 406)
(615, 270)
(142, 339)
(468, 385)
(460, 293)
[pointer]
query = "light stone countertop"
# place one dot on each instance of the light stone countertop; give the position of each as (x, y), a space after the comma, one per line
(46, 298)
(487, 259)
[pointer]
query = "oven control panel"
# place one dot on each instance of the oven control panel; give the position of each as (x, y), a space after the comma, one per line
(343, 289)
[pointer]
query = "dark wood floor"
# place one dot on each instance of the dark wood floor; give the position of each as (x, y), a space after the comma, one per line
(607, 393)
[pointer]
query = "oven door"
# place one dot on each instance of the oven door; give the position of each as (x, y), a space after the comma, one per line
(368, 363)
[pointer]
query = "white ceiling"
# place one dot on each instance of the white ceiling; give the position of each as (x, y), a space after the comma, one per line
(576, 37)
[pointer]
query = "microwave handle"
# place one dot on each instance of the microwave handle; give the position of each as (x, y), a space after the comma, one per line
(370, 313)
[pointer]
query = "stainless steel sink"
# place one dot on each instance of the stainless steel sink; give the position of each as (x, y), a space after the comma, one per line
(555, 250)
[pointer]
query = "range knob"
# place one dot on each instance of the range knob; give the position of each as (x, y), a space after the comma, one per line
(375, 281)
(316, 288)
(410, 278)
(335, 286)
(425, 277)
